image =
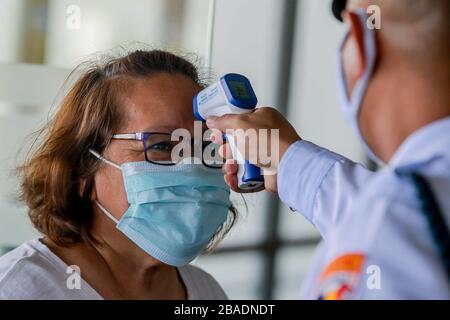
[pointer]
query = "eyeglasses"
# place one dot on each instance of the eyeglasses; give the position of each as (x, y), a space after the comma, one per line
(160, 148)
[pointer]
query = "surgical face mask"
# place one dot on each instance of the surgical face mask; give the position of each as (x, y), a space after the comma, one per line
(174, 210)
(351, 105)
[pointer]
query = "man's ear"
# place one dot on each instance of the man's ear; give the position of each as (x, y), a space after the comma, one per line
(353, 54)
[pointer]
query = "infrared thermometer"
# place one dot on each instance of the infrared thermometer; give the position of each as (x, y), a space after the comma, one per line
(232, 93)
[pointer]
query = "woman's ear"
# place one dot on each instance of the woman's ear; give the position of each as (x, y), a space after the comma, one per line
(353, 54)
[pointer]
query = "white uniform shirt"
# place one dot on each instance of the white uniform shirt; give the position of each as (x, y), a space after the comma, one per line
(33, 272)
(377, 243)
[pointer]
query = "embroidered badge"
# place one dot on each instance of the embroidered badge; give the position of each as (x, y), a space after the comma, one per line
(338, 280)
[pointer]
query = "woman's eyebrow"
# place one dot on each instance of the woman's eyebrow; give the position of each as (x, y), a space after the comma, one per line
(154, 128)
(161, 128)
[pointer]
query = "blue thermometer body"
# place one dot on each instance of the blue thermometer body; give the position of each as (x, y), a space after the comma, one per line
(232, 93)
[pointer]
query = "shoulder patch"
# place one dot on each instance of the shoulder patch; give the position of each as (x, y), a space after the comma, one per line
(338, 280)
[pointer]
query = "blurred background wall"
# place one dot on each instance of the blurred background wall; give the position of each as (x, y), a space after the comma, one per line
(286, 47)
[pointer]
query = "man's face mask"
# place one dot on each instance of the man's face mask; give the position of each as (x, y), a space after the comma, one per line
(174, 210)
(351, 105)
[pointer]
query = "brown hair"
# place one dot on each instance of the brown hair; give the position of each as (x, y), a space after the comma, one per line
(58, 176)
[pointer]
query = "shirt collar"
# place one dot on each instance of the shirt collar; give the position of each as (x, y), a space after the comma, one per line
(424, 145)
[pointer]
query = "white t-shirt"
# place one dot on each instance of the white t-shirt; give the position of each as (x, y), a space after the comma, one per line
(32, 271)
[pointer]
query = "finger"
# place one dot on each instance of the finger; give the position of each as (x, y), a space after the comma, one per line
(227, 121)
(216, 136)
(230, 168)
(225, 152)
(232, 181)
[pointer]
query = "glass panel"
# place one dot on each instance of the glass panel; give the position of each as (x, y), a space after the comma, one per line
(31, 86)
(315, 114)
(294, 226)
(250, 227)
(292, 266)
(64, 32)
(15, 226)
(239, 274)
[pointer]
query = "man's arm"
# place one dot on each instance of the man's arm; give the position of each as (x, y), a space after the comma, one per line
(316, 182)
(319, 184)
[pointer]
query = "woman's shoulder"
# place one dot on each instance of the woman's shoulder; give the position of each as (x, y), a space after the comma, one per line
(19, 269)
(18, 258)
(200, 285)
(30, 272)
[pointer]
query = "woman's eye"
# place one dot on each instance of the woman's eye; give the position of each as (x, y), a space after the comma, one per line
(161, 146)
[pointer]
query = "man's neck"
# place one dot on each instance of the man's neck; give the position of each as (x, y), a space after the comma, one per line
(402, 110)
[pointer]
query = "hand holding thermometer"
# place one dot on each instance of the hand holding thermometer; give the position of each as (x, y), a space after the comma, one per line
(233, 93)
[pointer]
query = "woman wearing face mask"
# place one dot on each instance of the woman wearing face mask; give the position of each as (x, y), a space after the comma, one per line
(103, 190)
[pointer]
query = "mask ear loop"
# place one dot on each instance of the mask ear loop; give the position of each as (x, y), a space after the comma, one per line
(96, 154)
(370, 52)
(344, 94)
(351, 102)
(109, 215)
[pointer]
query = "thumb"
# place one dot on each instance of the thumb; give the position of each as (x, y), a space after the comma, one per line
(227, 121)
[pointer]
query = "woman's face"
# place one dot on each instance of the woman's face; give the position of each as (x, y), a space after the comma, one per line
(160, 103)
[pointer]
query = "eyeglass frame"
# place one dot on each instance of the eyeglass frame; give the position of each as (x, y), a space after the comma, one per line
(143, 136)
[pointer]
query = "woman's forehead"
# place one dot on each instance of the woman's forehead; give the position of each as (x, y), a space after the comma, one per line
(162, 102)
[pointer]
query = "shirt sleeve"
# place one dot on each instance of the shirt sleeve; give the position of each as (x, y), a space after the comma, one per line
(319, 183)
